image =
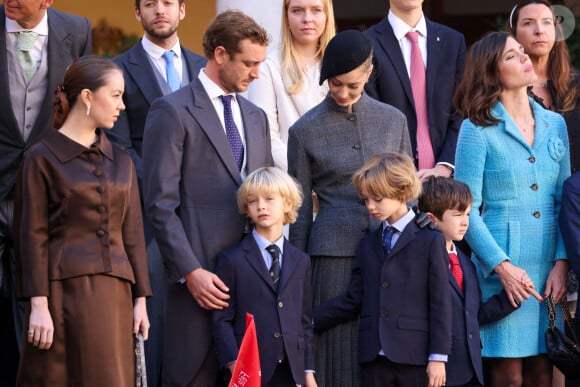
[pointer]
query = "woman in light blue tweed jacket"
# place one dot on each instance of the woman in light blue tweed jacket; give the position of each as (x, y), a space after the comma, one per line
(513, 154)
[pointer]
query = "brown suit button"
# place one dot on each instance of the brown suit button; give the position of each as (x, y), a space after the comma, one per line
(277, 334)
(532, 159)
(100, 189)
(101, 233)
(101, 209)
(98, 172)
(537, 214)
(534, 187)
(280, 304)
(385, 284)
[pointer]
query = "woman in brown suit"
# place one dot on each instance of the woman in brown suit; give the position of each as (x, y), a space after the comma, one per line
(82, 261)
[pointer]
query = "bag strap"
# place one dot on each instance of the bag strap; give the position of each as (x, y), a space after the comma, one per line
(565, 313)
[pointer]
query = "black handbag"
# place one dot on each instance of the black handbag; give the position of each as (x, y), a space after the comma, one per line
(140, 369)
(562, 350)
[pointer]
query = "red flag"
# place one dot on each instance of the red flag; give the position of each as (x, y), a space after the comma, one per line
(247, 372)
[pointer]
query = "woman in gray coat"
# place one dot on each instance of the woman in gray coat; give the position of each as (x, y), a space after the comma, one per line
(325, 147)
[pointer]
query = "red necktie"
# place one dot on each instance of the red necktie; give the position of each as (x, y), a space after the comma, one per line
(419, 87)
(455, 268)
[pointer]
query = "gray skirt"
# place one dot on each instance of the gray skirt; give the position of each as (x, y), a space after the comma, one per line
(336, 349)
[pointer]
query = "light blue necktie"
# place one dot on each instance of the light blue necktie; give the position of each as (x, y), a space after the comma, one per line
(171, 73)
(25, 40)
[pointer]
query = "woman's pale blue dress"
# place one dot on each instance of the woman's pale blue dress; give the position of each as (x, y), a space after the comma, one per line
(518, 188)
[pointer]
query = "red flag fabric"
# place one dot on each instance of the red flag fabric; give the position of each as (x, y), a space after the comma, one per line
(247, 372)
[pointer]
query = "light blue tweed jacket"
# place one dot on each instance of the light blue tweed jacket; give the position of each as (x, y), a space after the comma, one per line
(518, 187)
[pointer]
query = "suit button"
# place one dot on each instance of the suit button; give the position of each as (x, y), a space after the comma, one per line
(383, 313)
(101, 209)
(356, 146)
(98, 172)
(470, 336)
(385, 284)
(537, 214)
(277, 335)
(101, 233)
(100, 189)
(534, 187)
(280, 304)
(532, 159)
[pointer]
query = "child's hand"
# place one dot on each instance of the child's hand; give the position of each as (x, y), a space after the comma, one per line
(436, 373)
(310, 381)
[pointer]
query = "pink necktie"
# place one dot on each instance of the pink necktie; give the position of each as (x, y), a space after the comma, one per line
(419, 87)
(456, 270)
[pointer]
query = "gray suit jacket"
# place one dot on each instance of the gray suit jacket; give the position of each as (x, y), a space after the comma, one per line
(140, 92)
(325, 147)
(69, 38)
(190, 198)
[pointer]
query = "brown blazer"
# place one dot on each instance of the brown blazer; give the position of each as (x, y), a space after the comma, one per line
(78, 213)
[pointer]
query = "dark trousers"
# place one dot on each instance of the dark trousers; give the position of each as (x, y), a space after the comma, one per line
(11, 310)
(382, 372)
(282, 377)
(472, 383)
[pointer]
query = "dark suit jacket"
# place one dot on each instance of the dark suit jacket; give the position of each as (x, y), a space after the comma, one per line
(468, 312)
(403, 299)
(190, 198)
(252, 291)
(570, 224)
(69, 37)
(390, 82)
(141, 89)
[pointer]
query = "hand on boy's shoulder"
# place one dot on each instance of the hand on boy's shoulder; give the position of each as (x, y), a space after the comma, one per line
(423, 221)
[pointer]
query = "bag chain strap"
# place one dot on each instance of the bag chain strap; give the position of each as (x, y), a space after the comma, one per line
(565, 313)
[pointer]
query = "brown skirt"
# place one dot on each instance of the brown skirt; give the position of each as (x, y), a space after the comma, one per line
(93, 344)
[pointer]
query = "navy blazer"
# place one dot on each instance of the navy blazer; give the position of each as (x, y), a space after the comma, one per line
(69, 37)
(467, 313)
(570, 224)
(390, 82)
(403, 299)
(283, 318)
(141, 89)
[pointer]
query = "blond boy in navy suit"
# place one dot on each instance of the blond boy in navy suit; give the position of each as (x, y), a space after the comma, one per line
(269, 278)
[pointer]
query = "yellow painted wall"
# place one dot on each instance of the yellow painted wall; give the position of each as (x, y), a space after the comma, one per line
(119, 13)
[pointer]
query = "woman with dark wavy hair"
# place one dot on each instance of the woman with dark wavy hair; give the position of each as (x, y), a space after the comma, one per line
(538, 30)
(513, 155)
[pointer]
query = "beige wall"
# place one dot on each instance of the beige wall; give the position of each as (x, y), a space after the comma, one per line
(119, 13)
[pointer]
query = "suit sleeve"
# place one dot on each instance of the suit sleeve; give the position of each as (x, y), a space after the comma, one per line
(87, 47)
(299, 167)
(447, 154)
(570, 221)
(223, 319)
(164, 137)
(495, 308)
(345, 307)
(439, 300)
(562, 176)
(134, 239)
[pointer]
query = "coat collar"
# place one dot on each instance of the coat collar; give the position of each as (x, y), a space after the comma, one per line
(66, 149)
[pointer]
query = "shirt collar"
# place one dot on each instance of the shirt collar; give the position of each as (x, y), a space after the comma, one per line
(41, 28)
(453, 249)
(263, 242)
(211, 88)
(400, 224)
(66, 149)
(400, 28)
(157, 52)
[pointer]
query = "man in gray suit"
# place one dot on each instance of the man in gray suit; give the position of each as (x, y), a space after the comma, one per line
(146, 69)
(206, 138)
(36, 47)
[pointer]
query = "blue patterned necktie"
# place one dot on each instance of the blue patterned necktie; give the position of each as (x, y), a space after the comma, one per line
(232, 131)
(170, 71)
(388, 233)
(275, 267)
(25, 40)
